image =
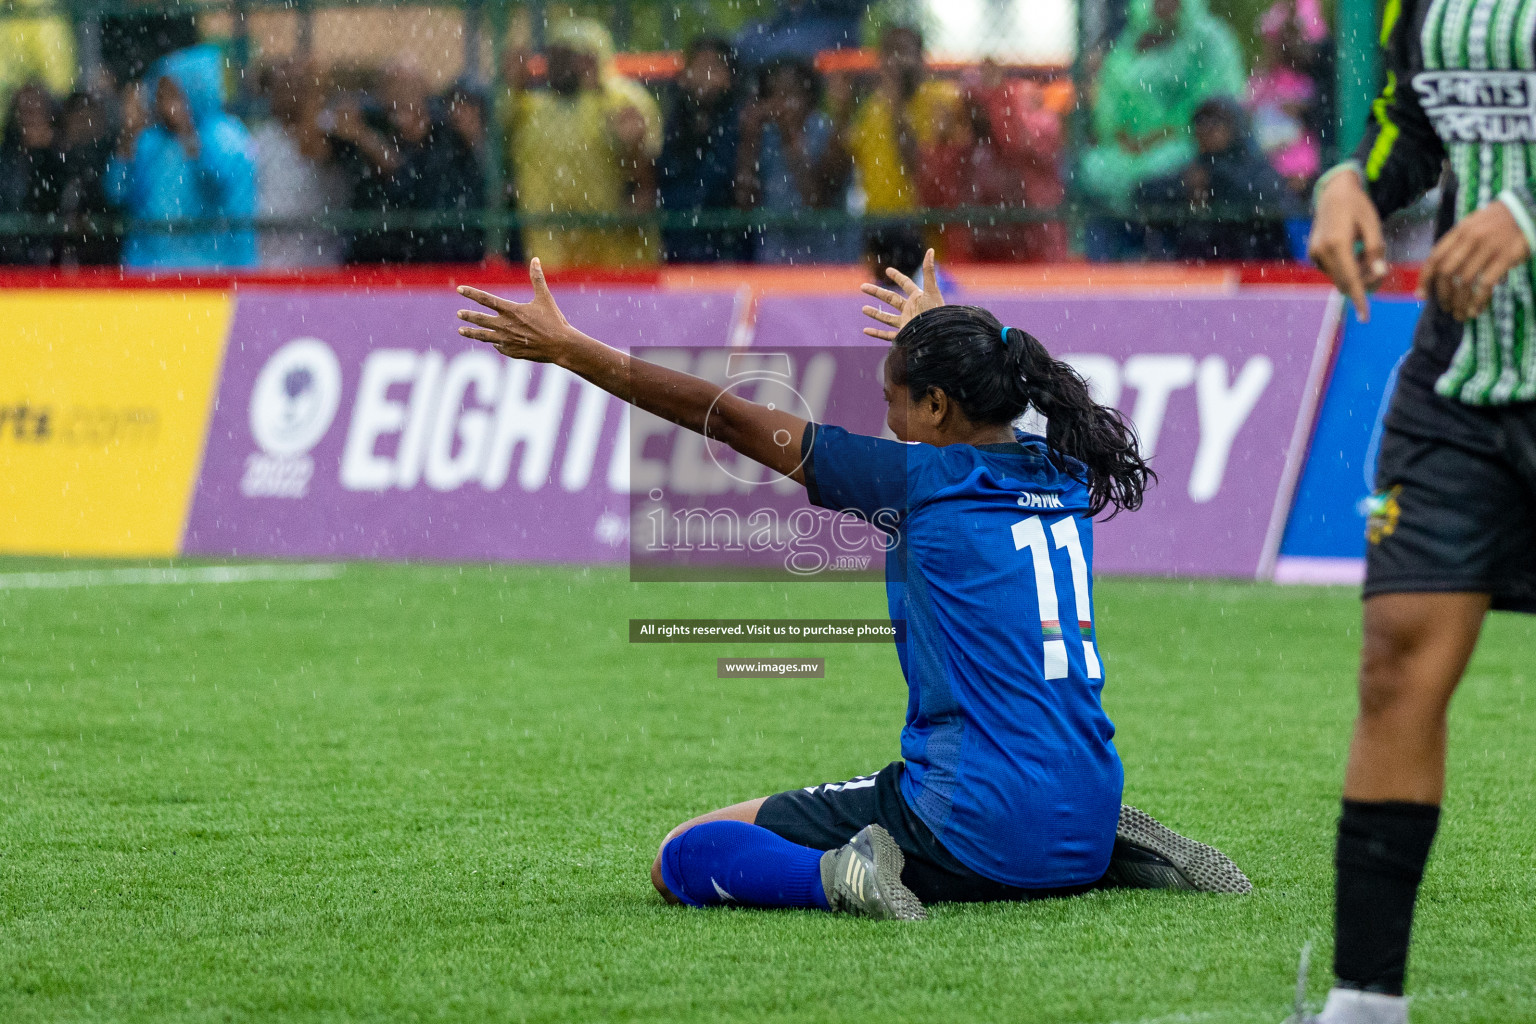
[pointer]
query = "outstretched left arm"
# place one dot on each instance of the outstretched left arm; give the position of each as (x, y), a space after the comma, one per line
(538, 331)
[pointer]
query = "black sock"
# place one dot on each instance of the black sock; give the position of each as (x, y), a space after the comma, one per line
(1380, 860)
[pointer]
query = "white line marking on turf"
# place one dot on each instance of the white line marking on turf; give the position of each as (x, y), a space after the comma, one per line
(204, 574)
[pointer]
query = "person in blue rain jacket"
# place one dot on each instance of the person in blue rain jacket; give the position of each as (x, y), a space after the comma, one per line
(182, 156)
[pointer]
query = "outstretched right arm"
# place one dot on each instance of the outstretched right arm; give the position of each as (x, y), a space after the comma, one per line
(538, 331)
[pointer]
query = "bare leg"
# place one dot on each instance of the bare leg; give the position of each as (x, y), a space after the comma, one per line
(1416, 648)
(745, 811)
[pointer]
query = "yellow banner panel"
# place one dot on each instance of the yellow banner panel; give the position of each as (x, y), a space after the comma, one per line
(104, 405)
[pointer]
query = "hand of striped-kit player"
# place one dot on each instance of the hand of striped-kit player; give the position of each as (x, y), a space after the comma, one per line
(1346, 217)
(1471, 258)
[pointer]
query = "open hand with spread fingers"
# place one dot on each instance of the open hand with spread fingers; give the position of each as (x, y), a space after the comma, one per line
(915, 300)
(536, 331)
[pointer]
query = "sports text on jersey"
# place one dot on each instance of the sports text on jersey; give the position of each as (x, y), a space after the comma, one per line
(1479, 106)
(1029, 500)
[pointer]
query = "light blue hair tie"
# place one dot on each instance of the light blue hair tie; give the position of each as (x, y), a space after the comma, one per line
(1005, 334)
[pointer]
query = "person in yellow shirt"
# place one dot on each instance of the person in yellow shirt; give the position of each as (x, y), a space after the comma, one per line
(35, 42)
(885, 133)
(587, 144)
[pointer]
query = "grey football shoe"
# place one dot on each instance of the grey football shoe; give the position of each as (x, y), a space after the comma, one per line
(863, 877)
(1150, 855)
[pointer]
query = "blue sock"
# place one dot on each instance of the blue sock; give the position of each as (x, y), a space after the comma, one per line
(733, 862)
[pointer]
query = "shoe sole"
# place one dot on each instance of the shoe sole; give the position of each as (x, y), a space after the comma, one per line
(900, 902)
(1195, 866)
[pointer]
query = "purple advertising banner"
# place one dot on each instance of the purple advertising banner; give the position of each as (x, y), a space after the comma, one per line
(1221, 389)
(360, 425)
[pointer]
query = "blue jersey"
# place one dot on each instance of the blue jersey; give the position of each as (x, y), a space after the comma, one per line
(1010, 756)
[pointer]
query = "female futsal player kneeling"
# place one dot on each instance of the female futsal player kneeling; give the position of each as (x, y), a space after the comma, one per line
(1009, 783)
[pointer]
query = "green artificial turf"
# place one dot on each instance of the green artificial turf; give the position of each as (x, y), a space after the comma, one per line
(430, 793)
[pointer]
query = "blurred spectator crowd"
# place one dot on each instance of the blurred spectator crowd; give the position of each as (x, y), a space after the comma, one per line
(1178, 128)
(1188, 156)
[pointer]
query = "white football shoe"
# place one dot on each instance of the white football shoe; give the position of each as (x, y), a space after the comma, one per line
(1346, 1005)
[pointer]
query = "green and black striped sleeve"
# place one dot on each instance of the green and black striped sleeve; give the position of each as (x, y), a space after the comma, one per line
(1400, 156)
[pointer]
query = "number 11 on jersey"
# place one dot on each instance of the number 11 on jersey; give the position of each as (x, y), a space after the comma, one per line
(1030, 533)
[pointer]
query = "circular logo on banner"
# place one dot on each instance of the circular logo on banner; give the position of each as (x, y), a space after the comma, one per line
(765, 378)
(295, 397)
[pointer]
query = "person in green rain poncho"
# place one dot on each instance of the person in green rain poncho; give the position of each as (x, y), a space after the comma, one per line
(1172, 56)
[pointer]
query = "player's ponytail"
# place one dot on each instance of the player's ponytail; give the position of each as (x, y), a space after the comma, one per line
(995, 373)
(1095, 435)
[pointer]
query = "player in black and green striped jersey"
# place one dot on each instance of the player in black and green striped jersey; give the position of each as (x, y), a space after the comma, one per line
(1452, 531)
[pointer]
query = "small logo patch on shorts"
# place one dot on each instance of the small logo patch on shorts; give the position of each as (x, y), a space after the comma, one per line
(1381, 514)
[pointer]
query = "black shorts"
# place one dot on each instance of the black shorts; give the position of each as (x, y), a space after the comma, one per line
(1455, 501)
(825, 817)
